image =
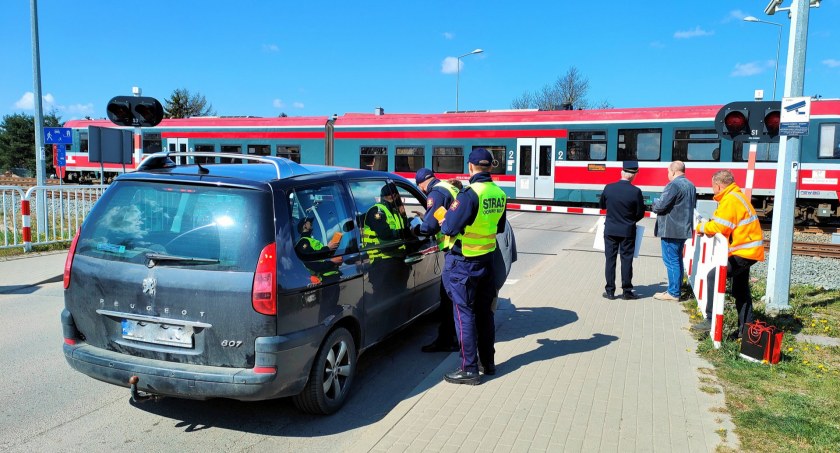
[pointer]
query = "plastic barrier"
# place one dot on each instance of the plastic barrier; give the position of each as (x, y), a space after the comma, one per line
(705, 260)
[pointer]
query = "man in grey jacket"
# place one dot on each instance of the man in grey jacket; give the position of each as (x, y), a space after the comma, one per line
(674, 224)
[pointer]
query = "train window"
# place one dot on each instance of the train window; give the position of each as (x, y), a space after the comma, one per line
(499, 158)
(448, 159)
(231, 149)
(373, 158)
(639, 144)
(289, 152)
(696, 145)
(830, 141)
(259, 150)
(587, 145)
(525, 152)
(83, 142)
(409, 158)
(766, 152)
(204, 149)
(152, 143)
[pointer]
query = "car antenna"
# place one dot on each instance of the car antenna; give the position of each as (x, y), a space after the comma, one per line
(201, 169)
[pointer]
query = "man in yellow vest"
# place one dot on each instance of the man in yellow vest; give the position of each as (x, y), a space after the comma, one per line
(440, 194)
(315, 254)
(385, 223)
(472, 221)
(735, 219)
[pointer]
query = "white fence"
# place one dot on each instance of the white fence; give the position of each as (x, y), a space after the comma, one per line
(44, 214)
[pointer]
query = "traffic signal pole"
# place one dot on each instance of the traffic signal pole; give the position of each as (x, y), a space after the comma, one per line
(787, 174)
(40, 159)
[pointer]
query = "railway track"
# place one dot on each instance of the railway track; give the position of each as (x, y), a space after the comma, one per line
(23, 182)
(812, 249)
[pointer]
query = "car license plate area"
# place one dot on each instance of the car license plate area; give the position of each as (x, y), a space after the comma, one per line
(156, 333)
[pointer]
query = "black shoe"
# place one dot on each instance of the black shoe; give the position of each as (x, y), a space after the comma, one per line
(702, 327)
(629, 295)
(609, 296)
(460, 376)
(734, 336)
(487, 370)
(440, 347)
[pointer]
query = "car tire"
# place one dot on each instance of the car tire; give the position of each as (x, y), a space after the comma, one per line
(331, 375)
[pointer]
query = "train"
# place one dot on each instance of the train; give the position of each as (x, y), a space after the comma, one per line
(562, 157)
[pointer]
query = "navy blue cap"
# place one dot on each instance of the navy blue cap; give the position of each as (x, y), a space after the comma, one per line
(630, 166)
(423, 174)
(302, 222)
(481, 156)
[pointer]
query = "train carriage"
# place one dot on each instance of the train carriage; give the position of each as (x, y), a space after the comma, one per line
(546, 157)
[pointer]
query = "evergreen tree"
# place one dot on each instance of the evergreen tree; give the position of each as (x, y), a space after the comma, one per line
(182, 104)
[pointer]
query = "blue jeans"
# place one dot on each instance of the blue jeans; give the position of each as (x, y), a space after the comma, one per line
(672, 256)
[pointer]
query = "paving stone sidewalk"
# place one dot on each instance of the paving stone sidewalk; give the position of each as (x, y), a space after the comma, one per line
(576, 372)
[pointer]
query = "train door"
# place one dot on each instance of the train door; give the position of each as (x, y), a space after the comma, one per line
(179, 145)
(535, 168)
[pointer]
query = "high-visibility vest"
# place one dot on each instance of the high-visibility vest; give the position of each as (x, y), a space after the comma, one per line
(479, 238)
(316, 246)
(736, 219)
(370, 239)
(445, 242)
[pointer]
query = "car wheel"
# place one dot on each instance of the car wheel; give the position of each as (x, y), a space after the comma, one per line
(331, 375)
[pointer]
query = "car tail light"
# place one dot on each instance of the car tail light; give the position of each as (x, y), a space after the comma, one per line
(68, 263)
(264, 294)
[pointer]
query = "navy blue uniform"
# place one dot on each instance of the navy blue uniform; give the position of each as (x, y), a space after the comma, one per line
(625, 206)
(437, 197)
(470, 283)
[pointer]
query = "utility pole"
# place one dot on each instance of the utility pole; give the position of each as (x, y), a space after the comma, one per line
(40, 160)
(787, 174)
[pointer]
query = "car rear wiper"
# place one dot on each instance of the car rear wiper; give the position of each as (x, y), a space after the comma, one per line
(153, 257)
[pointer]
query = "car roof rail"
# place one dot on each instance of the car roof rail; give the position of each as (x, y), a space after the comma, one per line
(285, 168)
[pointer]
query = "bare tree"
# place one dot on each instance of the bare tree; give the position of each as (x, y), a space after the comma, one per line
(567, 92)
(182, 104)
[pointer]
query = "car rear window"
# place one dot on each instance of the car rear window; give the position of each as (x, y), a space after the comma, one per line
(219, 228)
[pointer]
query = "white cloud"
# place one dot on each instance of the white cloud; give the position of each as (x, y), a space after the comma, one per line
(297, 105)
(734, 15)
(748, 69)
(450, 65)
(278, 103)
(692, 33)
(831, 63)
(448, 35)
(271, 48)
(27, 102)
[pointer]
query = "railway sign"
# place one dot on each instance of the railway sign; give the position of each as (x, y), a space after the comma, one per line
(58, 136)
(796, 115)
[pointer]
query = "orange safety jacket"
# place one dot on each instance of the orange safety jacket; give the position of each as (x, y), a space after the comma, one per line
(736, 219)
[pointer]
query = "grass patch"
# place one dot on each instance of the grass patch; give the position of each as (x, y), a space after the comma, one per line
(791, 406)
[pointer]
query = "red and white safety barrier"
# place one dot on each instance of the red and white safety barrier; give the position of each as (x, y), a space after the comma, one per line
(563, 209)
(705, 259)
(27, 225)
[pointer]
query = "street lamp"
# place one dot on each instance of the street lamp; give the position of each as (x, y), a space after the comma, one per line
(458, 77)
(778, 47)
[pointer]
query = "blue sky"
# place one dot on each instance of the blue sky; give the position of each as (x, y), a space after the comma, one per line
(314, 58)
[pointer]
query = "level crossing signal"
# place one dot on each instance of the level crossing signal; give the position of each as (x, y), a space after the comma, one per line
(749, 121)
(137, 111)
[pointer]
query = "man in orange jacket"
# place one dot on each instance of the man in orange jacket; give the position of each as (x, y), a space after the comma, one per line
(735, 219)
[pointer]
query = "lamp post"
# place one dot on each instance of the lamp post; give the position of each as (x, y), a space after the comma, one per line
(778, 47)
(458, 77)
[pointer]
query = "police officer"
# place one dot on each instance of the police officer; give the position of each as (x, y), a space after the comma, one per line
(440, 194)
(314, 253)
(385, 222)
(473, 220)
(625, 206)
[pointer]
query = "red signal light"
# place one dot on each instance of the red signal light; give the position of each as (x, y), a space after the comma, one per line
(771, 122)
(736, 122)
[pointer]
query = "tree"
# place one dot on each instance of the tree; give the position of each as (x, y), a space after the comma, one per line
(567, 92)
(17, 141)
(182, 104)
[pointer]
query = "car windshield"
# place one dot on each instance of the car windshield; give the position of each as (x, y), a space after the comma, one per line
(179, 225)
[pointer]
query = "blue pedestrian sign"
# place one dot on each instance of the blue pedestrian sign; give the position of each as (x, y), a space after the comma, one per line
(58, 136)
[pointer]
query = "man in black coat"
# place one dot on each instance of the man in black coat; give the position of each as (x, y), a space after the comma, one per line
(625, 206)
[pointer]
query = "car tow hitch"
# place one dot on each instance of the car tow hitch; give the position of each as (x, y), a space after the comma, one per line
(138, 396)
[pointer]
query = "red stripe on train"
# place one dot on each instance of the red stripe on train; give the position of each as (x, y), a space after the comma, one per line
(415, 134)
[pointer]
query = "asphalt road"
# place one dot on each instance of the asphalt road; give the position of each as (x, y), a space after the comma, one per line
(46, 406)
